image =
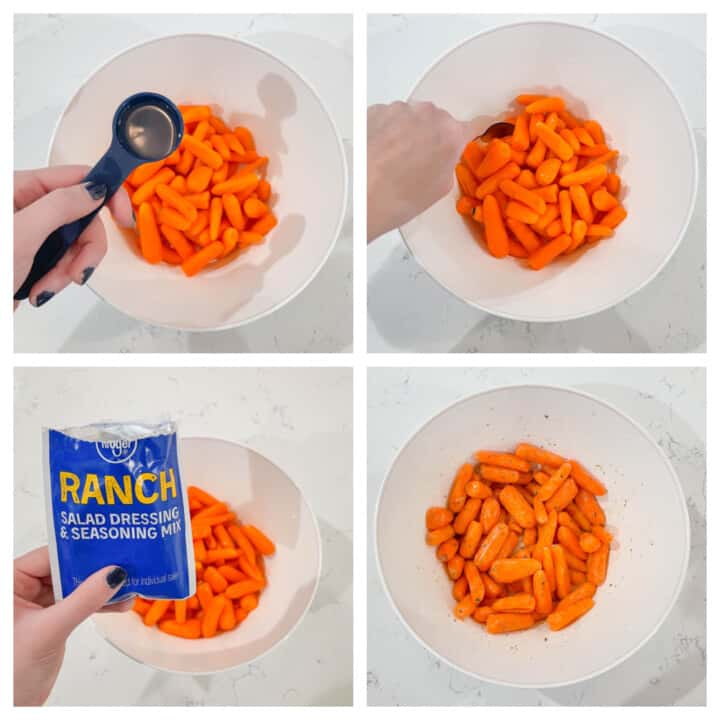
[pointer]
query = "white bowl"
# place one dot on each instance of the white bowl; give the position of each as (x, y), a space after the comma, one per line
(248, 86)
(263, 495)
(645, 509)
(600, 78)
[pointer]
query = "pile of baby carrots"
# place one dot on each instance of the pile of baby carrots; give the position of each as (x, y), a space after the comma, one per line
(522, 539)
(544, 191)
(206, 200)
(230, 574)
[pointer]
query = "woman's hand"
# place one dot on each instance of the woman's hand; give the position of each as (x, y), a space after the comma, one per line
(41, 626)
(43, 201)
(412, 150)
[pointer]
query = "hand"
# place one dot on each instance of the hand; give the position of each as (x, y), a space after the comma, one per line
(43, 201)
(41, 626)
(412, 150)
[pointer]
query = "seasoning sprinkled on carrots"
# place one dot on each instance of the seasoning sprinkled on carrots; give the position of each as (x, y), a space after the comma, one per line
(531, 547)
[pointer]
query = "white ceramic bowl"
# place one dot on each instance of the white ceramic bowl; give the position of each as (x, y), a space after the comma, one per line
(261, 494)
(645, 509)
(248, 86)
(600, 78)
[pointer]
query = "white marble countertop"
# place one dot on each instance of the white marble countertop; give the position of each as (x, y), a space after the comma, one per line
(318, 46)
(299, 418)
(410, 312)
(670, 668)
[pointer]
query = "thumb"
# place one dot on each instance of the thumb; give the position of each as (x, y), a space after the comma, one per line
(86, 599)
(36, 221)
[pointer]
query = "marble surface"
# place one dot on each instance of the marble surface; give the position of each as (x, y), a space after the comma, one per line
(299, 418)
(317, 46)
(670, 669)
(409, 312)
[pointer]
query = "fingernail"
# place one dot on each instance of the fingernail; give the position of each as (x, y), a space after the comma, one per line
(86, 273)
(116, 577)
(96, 190)
(43, 297)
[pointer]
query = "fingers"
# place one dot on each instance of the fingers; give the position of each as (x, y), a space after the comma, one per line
(35, 563)
(35, 222)
(31, 185)
(77, 265)
(119, 607)
(87, 598)
(121, 208)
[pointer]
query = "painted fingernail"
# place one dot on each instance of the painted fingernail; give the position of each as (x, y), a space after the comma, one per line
(96, 190)
(116, 577)
(86, 273)
(43, 297)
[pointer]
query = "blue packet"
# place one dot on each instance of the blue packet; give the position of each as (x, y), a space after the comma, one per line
(114, 496)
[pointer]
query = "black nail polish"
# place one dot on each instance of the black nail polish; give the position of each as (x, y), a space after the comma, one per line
(96, 190)
(116, 577)
(43, 297)
(86, 273)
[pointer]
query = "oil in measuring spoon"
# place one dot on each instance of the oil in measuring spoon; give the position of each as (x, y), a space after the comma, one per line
(150, 132)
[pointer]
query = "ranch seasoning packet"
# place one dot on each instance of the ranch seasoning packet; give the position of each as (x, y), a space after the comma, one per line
(114, 496)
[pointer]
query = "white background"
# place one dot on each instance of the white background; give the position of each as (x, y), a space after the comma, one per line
(670, 669)
(410, 312)
(301, 419)
(55, 54)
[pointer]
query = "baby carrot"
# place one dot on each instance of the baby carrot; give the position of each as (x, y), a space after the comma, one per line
(520, 137)
(246, 587)
(199, 179)
(471, 539)
(508, 622)
(490, 514)
(564, 495)
(260, 541)
(237, 184)
(586, 175)
(492, 183)
(255, 208)
(542, 593)
(546, 105)
(523, 195)
(497, 156)
(547, 171)
(495, 233)
(603, 200)
(490, 546)
(562, 618)
(466, 515)
(511, 569)
(437, 517)
(614, 217)
(203, 257)
(565, 211)
(519, 603)
(180, 611)
(582, 592)
(190, 629)
(539, 456)
(446, 551)
(597, 564)
(201, 151)
(265, 224)
(156, 611)
(570, 542)
(517, 506)
(589, 542)
(553, 141)
(174, 200)
(562, 575)
(503, 460)
(147, 189)
(477, 489)
(548, 252)
(524, 233)
(211, 618)
(150, 242)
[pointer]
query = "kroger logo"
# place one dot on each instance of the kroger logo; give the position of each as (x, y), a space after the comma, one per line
(116, 451)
